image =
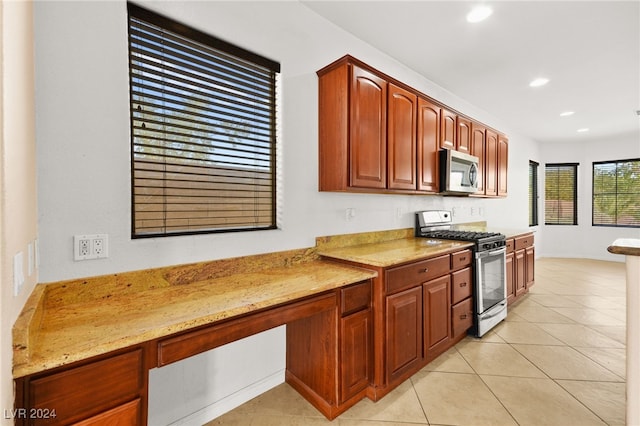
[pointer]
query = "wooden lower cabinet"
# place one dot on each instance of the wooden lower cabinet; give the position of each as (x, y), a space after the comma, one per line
(110, 390)
(418, 314)
(124, 415)
(404, 333)
(355, 354)
(437, 316)
(333, 370)
(529, 264)
(520, 284)
(511, 282)
(520, 266)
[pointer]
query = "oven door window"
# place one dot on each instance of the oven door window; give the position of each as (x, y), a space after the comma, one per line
(491, 278)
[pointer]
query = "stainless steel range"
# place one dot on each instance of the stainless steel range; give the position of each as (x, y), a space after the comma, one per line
(490, 289)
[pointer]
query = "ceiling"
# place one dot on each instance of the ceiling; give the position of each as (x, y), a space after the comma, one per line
(589, 51)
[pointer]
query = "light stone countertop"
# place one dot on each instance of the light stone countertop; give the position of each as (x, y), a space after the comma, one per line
(60, 324)
(395, 252)
(72, 320)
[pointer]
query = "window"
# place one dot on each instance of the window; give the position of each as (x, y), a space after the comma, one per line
(203, 136)
(561, 194)
(533, 193)
(616, 193)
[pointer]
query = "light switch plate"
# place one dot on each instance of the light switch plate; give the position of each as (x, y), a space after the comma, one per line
(18, 273)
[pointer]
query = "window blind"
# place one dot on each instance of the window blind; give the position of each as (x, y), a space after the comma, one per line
(616, 193)
(533, 193)
(561, 194)
(203, 131)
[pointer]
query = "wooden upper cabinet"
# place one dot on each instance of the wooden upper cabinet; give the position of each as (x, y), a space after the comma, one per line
(428, 145)
(478, 149)
(491, 164)
(503, 162)
(463, 135)
(378, 135)
(368, 130)
(448, 125)
(401, 138)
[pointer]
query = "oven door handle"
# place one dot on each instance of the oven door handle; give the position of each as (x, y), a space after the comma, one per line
(483, 254)
(503, 304)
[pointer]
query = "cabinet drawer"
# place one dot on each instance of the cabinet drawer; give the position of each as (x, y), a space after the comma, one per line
(124, 415)
(416, 273)
(510, 243)
(461, 285)
(355, 297)
(461, 259)
(461, 317)
(89, 389)
(524, 242)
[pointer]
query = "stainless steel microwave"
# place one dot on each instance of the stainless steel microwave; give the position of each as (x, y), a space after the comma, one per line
(458, 173)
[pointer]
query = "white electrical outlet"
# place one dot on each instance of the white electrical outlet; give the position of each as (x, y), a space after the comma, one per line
(87, 247)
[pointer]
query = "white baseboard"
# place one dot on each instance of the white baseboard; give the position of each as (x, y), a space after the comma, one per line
(232, 401)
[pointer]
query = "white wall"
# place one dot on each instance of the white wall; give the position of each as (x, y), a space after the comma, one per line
(84, 170)
(18, 219)
(584, 240)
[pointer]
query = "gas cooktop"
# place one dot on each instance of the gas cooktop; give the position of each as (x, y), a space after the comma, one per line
(437, 224)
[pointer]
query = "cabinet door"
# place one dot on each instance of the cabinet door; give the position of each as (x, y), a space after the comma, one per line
(529, 254)
(404, 332)
(463, 136)
(520, 271)
(355, 353)
(428, 145)
(503, 162)
(511, 285)
(491, 164)
(478, 149)
(401, 147)
(437, 316)
(447, 129)
(368, 130)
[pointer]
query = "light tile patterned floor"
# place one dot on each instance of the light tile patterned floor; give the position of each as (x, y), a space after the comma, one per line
(558, 359)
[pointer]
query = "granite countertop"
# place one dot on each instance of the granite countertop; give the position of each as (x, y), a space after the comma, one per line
(394, 252)
(626, 246)
(72, 320)
(77, 319)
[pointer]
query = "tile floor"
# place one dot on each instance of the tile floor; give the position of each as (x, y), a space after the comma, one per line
(558, 359)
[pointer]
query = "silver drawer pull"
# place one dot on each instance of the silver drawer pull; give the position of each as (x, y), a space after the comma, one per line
(423, 270)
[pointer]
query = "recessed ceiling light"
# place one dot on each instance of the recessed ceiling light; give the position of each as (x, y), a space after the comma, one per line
(539, 82)
(566, 113)
(479, 13)
(584, 129)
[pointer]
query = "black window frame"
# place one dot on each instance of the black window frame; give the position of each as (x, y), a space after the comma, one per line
(533, 193)
(574, 190)
(616, 193)
(245, 152)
